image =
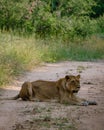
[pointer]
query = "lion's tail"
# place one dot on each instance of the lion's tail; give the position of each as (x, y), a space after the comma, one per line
(11, 98)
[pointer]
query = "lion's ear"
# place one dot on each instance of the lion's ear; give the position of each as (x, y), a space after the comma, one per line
(78, 77)
(67, 77)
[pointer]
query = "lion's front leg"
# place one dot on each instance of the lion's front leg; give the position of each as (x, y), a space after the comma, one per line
(78, 101)
(63, 98)
(66, 98)
(83, 102)
(71, 99)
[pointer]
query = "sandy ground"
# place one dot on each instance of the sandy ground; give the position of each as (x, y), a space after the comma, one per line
(25, 115)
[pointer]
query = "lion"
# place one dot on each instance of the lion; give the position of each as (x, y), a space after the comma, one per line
(63, 90)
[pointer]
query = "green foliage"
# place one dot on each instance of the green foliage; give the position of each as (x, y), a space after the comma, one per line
(98, 9)
(70, 26)
(100, 24)
(46, 24)
(12, 14)
(80, 28)
(77, 8)
(68, 19)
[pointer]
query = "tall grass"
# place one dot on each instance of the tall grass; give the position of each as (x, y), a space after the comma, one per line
(18, 54)
(89, 50)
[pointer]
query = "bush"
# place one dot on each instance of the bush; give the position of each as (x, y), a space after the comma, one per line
(77, 28)
(100, 22)
(48, 19)
(12, 14)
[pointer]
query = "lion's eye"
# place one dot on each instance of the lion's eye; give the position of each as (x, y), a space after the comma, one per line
(73, 81)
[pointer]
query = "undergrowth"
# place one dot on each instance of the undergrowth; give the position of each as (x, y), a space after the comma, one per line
(19, 53)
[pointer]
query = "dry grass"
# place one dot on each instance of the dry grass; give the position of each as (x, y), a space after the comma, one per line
(19, 54)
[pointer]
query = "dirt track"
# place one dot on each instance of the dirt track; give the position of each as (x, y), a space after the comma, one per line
(20, 115)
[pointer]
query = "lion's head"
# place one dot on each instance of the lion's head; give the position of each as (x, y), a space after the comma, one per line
(72, 83)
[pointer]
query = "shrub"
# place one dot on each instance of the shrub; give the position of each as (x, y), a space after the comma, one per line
(48, 19)
(100, 22)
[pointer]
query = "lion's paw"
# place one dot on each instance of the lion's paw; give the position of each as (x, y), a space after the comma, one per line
(92, 102)
(85, 103)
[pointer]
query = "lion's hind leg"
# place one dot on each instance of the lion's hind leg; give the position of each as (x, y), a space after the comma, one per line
(26, 91)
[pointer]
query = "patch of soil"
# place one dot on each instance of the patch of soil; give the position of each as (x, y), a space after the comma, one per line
(25, 115)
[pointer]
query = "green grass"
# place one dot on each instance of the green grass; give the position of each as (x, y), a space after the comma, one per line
(90, 50)
(18, 53)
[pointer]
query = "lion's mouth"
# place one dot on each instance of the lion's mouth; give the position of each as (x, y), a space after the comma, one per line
(75, 91)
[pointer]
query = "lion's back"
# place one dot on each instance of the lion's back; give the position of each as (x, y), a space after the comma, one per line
(45, 89)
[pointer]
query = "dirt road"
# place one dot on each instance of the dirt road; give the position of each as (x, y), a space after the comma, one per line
(21, 115)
